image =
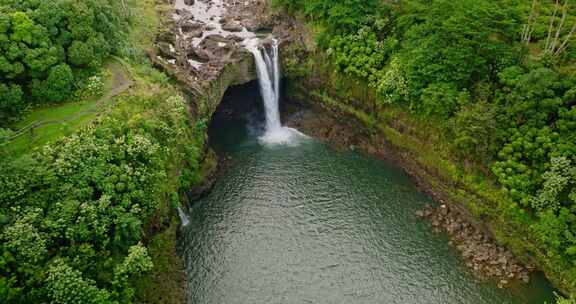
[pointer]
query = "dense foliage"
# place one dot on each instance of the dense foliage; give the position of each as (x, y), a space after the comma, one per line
(47, 46)
(72, 214)
(499, 78)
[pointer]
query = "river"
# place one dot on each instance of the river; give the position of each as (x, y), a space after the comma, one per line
(308, 224)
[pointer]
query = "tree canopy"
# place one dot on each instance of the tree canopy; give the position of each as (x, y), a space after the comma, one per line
(47, 46)
(497, 76)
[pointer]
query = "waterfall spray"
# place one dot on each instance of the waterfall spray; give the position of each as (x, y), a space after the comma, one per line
(268, 69)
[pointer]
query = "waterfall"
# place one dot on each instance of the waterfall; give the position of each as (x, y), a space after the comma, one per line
(268, 70)
(268, 76)
(183, 218)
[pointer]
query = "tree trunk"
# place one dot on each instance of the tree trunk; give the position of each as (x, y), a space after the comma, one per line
(527, 32)
(564, 45)
(551, 27)
(554, 45)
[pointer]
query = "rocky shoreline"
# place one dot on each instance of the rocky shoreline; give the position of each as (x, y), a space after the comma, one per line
(201, 45)
(481, 254)
(487, 259)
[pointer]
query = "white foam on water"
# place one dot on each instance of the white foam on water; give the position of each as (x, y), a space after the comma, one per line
(268, 69)
(267, 58)
(283, 136)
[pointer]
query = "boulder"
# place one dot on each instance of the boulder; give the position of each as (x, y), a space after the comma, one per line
(191, 26)
(198, 55)
(167, 36)
(258, 27)
(232, 27)
(181, 12)
(193, 29)
(201, 55)
(166, 50)
(235, 38)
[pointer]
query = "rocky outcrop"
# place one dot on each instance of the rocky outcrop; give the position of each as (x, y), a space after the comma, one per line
(481, 253)
(204, 46)
(202, 49)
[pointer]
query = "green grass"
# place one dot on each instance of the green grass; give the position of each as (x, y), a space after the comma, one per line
(55, 112)
(46, 134)
(67, 109)
(146, 22)
(60, 120)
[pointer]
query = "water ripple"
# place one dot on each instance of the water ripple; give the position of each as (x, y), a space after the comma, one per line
(308, 224)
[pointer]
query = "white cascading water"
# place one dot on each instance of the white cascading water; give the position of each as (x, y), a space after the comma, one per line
(268, 69)
(183, 218)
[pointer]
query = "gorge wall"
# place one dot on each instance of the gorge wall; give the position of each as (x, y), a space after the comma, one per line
(352, 118)
(207, 69)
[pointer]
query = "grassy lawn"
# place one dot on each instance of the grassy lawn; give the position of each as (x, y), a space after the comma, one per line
(58, 112)
(61, 120)
(62, 111)
(46, 134)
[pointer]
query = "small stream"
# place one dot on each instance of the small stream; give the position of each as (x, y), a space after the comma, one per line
(307, 224)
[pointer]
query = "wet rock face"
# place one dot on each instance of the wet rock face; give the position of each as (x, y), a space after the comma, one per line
(193, 29)
(209, 34)
(218, 48)
(231, 26)
(167, 50)
(482, 254)
(338, 130)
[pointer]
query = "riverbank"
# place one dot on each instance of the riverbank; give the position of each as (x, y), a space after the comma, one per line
(476, 244)
(385, 131)
(416, 145)
(306, 223)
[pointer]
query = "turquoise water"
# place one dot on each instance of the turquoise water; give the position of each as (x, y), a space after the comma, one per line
(308, 224)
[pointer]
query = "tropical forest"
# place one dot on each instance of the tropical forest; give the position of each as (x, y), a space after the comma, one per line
(288, 151)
